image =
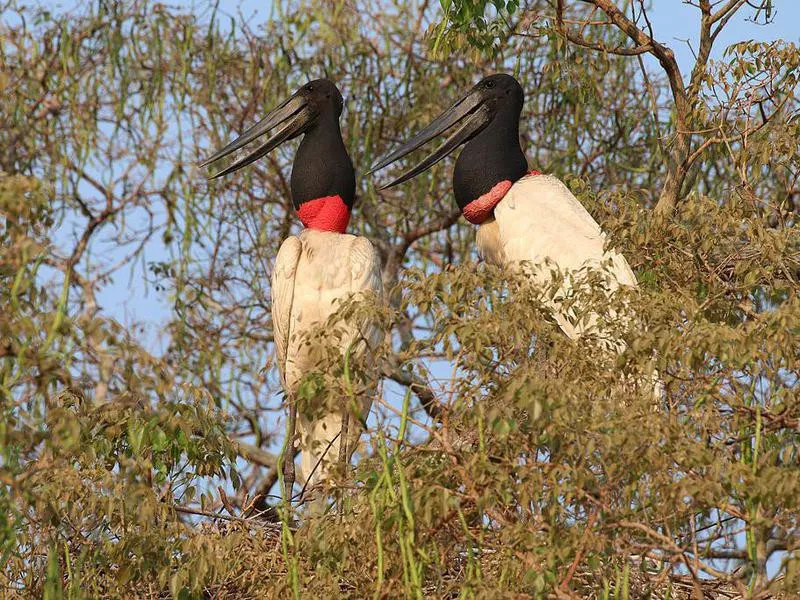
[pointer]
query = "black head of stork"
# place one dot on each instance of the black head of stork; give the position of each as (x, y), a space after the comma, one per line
(323, 179)
(487, 121)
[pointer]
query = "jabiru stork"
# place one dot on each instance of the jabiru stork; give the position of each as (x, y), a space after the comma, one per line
(525, 219)
(315, 271)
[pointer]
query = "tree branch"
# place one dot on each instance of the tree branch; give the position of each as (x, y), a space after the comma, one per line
(256, 455)
(664, 54)
(417, 385)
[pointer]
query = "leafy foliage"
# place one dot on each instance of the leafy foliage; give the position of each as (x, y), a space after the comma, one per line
(136, 472)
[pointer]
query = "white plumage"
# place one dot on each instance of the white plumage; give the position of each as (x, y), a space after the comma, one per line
(314, 272)
(540, 222)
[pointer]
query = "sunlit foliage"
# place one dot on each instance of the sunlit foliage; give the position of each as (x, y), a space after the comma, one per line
(134, 470)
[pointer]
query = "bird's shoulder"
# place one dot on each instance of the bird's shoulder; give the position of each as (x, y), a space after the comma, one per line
(365, 265)
(287, 258)
(544, 201)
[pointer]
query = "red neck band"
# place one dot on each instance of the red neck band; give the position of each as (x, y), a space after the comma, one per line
(481, 208)
(325, 214)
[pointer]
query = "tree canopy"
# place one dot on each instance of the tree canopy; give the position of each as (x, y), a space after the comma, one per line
(134, 470)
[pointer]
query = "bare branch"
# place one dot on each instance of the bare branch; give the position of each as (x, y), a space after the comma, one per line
(417, 385)
(256, 455)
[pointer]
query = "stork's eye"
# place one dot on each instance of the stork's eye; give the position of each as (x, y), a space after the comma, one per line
(310, 88)
(490, 84)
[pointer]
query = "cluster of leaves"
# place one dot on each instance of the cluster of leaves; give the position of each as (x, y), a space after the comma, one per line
(130, 472)
(475, 24)
(88, 480)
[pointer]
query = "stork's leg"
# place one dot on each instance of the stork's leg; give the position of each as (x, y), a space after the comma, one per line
(288, 454)
(343, 439)
(344, 455)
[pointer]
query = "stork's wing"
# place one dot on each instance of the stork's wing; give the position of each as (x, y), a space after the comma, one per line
(283, 275)
(541, 222)
(365, 277)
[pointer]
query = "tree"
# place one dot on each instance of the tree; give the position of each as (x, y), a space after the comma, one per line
(129, 470)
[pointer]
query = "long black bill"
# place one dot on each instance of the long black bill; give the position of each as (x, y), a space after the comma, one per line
(291, 118)
(470, 109)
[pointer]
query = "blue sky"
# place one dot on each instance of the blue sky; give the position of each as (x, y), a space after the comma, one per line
(675, 23)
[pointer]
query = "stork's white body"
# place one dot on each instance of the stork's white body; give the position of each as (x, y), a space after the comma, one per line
(540, 222)
(314, 272)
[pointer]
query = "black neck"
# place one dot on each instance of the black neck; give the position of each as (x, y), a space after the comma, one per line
(322, 166)
(492, 156)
